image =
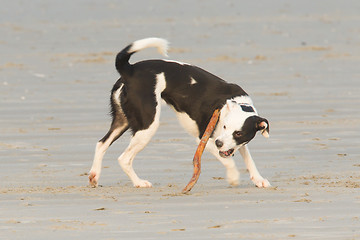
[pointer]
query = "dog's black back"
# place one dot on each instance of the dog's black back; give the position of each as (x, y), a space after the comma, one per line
(189, 89)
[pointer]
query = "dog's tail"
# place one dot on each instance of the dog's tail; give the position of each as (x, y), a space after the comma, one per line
(122, 59)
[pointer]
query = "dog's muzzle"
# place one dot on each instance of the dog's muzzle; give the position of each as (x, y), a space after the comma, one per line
(227, 153)
(224, 154)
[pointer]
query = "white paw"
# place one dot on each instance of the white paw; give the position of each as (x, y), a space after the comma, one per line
(233, 176)
(143, 184)
(260, 182)
(93, 179)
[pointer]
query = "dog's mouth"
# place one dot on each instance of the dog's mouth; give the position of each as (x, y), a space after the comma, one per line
(227, 153)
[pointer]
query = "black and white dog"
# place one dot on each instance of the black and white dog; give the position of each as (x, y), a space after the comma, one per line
(194, 94)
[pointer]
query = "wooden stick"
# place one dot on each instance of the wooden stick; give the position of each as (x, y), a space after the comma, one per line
(199, 151)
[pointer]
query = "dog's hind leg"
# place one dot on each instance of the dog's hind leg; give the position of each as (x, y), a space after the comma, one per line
(137, 143)
(143, 136)
(118, 127)
(101, 147)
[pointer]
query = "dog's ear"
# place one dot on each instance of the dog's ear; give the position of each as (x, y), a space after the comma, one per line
(229, 105)
(263, 125)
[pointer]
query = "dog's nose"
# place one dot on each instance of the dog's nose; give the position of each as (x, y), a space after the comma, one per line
(219, 143)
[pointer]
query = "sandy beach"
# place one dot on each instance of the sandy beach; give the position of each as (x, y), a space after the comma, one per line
(299, 61)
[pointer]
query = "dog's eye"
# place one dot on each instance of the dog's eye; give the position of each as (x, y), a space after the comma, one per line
(237, 134)
(224, 127)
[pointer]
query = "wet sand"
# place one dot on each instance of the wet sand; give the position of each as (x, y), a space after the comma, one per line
(298, 61)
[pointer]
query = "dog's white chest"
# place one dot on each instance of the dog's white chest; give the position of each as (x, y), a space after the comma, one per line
(188, 124)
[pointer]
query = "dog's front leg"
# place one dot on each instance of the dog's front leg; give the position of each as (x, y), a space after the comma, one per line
(232, 173)
(255, 176)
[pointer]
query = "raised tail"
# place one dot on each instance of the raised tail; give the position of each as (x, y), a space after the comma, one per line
(122, 59)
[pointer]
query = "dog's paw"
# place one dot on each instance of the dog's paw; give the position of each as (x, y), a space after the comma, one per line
(233, 176)
(143, 184)
(260, 182)
(93, 179)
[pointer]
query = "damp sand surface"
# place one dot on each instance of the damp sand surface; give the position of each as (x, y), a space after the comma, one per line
(298, 61)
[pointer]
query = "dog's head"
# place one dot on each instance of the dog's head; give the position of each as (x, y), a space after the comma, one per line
(238, 124)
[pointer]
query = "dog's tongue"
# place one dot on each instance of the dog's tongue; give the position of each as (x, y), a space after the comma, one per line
(228, 152)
